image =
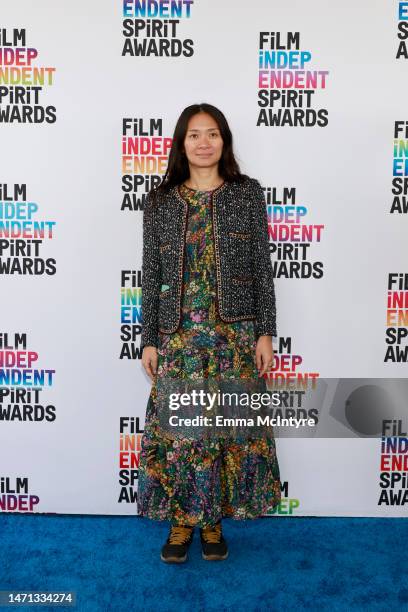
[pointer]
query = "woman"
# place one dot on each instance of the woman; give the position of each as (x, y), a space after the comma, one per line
(208, 313)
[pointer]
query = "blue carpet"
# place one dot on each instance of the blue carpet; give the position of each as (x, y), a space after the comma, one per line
(274, 564)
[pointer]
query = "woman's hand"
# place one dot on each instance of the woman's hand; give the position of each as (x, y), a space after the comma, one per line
(264, 354)
(149, 361)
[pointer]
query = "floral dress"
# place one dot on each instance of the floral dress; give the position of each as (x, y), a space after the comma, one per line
(198, 481)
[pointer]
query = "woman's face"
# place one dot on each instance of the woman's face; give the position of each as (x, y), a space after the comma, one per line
(203, 142)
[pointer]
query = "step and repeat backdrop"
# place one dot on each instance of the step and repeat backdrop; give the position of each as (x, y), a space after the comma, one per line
(315, 95)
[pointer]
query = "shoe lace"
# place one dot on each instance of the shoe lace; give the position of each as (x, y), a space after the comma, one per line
(179, 534)
(212, 535)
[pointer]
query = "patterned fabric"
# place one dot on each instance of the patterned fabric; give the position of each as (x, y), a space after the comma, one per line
(196, 481)
(244, 269)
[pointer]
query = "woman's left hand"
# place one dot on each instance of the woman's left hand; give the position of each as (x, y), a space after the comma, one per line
(264, 354)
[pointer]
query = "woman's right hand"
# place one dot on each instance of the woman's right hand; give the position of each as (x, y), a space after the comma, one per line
(149, 361)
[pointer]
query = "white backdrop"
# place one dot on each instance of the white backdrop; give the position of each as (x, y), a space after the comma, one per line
(72, 170)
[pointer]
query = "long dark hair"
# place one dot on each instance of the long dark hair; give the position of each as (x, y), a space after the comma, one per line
(178, 169)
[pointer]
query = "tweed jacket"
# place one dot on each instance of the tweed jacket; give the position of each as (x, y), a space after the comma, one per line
(244, 276)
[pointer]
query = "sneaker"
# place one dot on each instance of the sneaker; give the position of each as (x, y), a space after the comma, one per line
(176, 546)
(213, 544)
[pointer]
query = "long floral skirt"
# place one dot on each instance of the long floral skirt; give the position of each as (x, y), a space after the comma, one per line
(193, 480)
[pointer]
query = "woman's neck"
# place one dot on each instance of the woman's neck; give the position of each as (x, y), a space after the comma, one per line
(203, 181)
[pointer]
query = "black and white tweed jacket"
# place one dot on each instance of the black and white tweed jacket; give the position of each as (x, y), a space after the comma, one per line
(244, 276)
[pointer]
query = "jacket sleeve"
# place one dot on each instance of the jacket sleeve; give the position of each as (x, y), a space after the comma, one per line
(150, 276)
(263, 280)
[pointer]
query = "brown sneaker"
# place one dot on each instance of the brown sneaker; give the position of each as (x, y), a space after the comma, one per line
(213, 544)
(176, 547)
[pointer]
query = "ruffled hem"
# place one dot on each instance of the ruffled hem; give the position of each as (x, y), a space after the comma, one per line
(238, 514)
(198, 482)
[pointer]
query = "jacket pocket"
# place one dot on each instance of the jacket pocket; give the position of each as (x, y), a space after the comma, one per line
(166, 305)
(239, 252)
(242, 295)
